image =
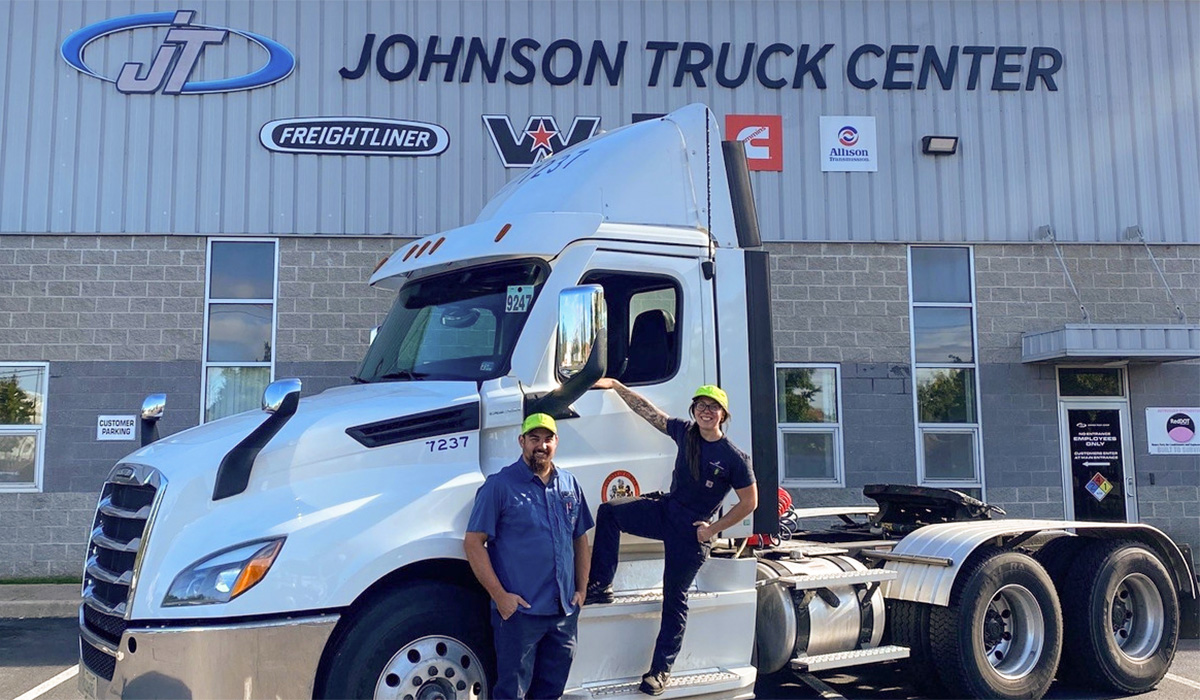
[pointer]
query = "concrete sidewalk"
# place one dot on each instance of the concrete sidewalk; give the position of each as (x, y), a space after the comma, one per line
(23, 600)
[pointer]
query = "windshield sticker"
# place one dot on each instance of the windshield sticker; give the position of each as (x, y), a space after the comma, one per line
(487, 366)
(519, 296)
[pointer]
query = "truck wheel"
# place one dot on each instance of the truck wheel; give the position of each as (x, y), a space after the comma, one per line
(909, 623)
(1001, 635)
(422, 642)
(1123, 624)
(1057, 557)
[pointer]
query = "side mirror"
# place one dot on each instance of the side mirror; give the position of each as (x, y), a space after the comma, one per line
(582, 349)
(153, 408)
(282, 397)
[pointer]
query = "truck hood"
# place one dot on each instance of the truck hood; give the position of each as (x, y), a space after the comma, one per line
(315, 434)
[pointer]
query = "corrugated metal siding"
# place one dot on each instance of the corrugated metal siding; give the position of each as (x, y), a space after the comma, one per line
(1115, 146)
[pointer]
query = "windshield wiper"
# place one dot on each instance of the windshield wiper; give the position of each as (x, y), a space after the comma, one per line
(355, 379)
(402, 374)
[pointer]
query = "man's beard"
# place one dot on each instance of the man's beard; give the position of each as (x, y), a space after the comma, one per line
(538, 459)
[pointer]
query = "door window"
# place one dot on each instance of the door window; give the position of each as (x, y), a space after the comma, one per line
(643, 337)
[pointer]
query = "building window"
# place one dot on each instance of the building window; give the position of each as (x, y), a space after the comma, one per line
(22, 424)
(808, 401)
(945, 362)
(239, 325)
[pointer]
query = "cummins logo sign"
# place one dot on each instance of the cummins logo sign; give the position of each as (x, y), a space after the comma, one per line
(354, 136)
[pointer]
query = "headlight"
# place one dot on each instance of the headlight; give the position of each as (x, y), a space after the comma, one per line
(223, 576)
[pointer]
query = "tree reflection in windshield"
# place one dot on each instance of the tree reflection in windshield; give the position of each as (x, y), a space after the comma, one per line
(457, 325)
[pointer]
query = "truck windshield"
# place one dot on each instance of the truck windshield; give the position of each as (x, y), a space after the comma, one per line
(459, 325)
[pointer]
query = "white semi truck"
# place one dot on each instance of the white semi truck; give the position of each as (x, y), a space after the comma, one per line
(314, 549)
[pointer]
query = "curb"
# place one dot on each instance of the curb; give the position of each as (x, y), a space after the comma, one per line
(39, 600)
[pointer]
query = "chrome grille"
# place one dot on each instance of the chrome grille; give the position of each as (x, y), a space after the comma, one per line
(122, 517)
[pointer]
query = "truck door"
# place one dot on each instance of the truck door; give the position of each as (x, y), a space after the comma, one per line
(657, 346)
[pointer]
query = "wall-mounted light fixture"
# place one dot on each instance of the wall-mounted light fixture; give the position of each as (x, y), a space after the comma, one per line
(939, 145)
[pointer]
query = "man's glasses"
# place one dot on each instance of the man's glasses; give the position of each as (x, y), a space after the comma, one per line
(706, 407)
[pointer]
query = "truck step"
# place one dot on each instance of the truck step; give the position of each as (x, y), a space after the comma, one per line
(652, 596)
(840, 659)
(841, 578)
(688, 680)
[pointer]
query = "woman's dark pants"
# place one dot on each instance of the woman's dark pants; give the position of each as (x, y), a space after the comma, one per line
(654, 519)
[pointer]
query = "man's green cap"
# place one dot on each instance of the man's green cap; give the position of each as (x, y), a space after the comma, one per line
(539, 420)
(713, 392)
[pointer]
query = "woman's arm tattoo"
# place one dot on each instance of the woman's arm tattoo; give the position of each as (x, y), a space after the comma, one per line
(642, 406)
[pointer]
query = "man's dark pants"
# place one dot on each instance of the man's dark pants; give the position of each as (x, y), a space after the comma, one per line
(533, 654)
(653, 519)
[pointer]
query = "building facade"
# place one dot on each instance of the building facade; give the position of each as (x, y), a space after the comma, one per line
(984, 235)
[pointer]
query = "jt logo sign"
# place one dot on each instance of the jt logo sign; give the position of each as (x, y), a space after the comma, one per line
(539, 140)
(171, 69)
(182, 40)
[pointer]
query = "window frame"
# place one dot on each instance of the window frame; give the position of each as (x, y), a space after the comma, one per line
(39, 432)
(920, 428)
(205, 364)
(784, 428)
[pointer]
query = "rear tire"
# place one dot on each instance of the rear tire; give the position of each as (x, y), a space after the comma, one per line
(1057, 557)
(1122, 623)
(424, 640)
(910, 628)
(1001, 635)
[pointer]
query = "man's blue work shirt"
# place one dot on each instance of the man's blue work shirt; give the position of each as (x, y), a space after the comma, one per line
(531, 529)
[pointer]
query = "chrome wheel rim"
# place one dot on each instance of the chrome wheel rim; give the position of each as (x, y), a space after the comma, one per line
(432, 668)
(1136, 614)
(1014, 632)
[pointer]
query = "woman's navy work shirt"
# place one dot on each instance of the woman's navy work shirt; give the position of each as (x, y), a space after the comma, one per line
(722, 466)
(531, 529)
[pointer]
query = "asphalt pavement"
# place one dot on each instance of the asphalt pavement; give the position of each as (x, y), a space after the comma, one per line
(37, 651)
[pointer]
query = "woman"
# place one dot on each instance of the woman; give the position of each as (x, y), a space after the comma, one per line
(707, 465)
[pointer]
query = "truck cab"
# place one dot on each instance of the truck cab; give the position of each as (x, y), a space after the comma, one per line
(615, 258)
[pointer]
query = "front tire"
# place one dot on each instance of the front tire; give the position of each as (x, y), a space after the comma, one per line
(1001, 635)
(421, 642)
(1122, 626)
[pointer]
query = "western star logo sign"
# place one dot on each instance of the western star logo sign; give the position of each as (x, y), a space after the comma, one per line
(762, 135)
(540, 139)
(354, 136)
(171, 68)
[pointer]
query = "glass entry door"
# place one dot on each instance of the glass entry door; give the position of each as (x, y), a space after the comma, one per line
(1098, 476)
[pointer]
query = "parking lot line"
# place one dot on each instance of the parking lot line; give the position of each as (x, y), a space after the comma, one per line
(47, 686)
(1186, 681)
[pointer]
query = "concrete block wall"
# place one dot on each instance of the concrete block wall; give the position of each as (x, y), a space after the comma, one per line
(848, 304)
(44, 534)
(1022, 288)
(120, 317)
(1168, 486)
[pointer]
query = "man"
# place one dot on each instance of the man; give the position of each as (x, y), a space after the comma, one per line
(534, 521)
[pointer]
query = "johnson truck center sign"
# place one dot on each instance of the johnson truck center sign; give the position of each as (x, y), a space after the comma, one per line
(523, 60)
